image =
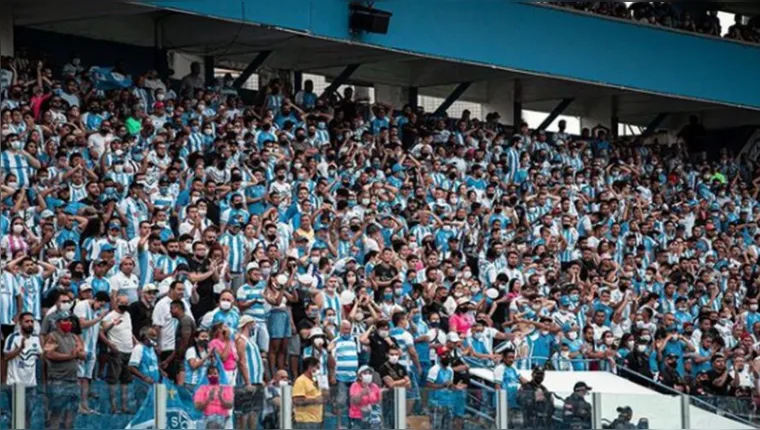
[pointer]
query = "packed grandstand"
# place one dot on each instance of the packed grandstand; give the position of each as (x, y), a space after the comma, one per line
(164, 230)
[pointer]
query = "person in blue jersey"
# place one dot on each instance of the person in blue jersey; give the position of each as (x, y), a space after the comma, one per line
(143, 362)
(30, 281)
(343, 365)
(249, 385)
(196, 362)
(506, 377)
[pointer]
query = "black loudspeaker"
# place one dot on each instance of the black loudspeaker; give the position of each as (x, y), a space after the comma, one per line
(367, 19)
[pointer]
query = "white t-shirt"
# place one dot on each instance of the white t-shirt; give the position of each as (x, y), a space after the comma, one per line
(121, 281)
(162, 317)
(22, 369)
(121, 333)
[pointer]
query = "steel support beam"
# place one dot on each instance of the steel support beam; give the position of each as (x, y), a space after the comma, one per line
(454, 96)
(297, 81)
(413, 96)
(517, 118)
(252, 67)
(557, 111)
(615, 119)
(652, 126)
(208, 70)
(341, 79)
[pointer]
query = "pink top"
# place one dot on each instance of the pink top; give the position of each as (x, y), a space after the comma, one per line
(460, 323)
(371, 398)
(215, 407)
(231, 362)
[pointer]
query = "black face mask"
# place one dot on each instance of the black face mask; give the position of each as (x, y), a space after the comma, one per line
(238, 206)
(271, 237)
(123, 308)
(173, 254)
(281, 177)
(538, 379)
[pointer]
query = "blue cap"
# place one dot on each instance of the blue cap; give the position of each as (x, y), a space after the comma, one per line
(234, 222)
(107, 247)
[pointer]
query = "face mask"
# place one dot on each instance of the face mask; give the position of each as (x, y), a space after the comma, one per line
(203, 343)
(213, 380)
(118, 168)
(13, 185)
(318, 342)
(65, 307)
(640, 324)
(17, 145)
(574, 297)
(608, 341)
(225, 305)
(161, 224)
(383, 333)
(388, 296)
(123, 308)
(331, 319)
(18, 228)
(753, 307)
(65, 326)
(367, 378)
(69, 255)
(641, 348)
(345, 336)
(629, 345)
(646, 337)
(572, 335)
(544, 332)
(393, 359)
(565, 354)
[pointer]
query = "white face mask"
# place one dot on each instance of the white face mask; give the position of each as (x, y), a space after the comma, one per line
(18, 228)
(65, 307)
(69, 255)
(572, 335)
(608, 340)
(641, 348)
(629, 345)
(367, 378)
(393, 359)
(284, 383)
(225, 305)
(318, 342)
(753, 307)
(383, 333)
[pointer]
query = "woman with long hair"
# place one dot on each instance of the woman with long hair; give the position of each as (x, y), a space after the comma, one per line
(278, 293)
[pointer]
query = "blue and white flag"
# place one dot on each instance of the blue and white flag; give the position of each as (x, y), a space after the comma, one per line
(180, 410)
(105, 79)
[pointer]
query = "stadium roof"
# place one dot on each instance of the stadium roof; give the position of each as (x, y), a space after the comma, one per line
(234, 44)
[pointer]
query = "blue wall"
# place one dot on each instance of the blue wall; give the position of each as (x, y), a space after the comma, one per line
(528, 38)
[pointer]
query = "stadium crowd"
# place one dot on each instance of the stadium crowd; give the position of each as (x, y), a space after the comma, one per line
(666, 14)
(166, 230)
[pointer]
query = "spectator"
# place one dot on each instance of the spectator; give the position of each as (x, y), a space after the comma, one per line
(143, 362)
(116, 335)
(214, 400)
(249, 395)
(166, 327)
(365, 397)
(307, 396)
(141, 310)
(21, 351)
(90, 314)
(62, 350)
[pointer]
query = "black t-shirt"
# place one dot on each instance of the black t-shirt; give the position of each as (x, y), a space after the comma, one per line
(396, 371)
(140, 316)
(306, 324)
(385, 272)
(378, 353)
(206, 297)
(724, 390)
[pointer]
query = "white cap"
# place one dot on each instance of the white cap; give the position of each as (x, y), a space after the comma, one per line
(252, 265)
(492, 293)
(306, 279)
(293, 253)
(150, 287)
(453, 337)
(85, 286)
(245, 319)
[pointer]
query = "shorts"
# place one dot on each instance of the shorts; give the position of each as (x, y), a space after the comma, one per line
(85, 368)
(294, 345)
(247, 402)
(278, 325)
(118, 369)
(261, 334)
(173, 368)
(63, 396)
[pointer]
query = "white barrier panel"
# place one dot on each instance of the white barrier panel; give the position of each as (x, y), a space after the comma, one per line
(662, 411)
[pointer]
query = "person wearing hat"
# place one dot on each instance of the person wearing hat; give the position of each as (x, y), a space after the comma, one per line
(317, 348)
(576, 410)
(536, 402)
(623, 421)
(364, 410)
(62, 350)
(248, 391)
(141, 310)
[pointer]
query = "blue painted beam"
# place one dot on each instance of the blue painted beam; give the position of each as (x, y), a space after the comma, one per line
(341, 79)
(557, 111)
(454, 96)
(252, 67)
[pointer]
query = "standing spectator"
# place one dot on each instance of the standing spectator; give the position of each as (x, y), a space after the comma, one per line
(343, 365)
(90, 316)
(62, 350)
(116, 335)
(249, 394)
(271, 413)
(185, 332)
(166, 327)
(143, 362)
(307, 396)
(365, 397)
(141, 311)
(222, 345)
(21, 352)
(214, 400)
(197, 360)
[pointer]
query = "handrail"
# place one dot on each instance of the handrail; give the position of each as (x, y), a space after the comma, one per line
(639, 24)
(696, 400)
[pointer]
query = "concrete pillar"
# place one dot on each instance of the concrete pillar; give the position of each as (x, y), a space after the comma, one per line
(392, 95)
(596, 111)
(500, 98)
(6, 28)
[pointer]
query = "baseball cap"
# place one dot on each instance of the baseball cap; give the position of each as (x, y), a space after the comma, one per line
(150, 287)
(85, 287)
(245, 319)
(47, 213)
(581, 386)
(251, 266)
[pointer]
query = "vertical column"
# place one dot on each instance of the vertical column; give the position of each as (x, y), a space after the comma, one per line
(502, 410)
(517, 104)
(19, 407)
(399, 407)
(614, 121)
(297, 81)
(208, 70)
(160, 403)
(6, 28)
(413, 97)
(286, 407)
(596, 411)
(685, 412)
